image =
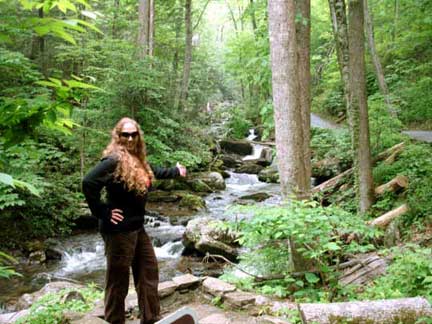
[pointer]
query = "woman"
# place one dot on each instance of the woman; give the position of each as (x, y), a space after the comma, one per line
(127, 177)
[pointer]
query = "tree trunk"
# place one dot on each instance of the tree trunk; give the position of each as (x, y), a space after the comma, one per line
(376, 61)
(143, 31)
(358, 109)
(253, 17)
(404, 310)
(285, 81)
(303, 48)
(188, 55)
(340, 31)
(114, 22)
(151, 28)
(388, 217)
(399, 182)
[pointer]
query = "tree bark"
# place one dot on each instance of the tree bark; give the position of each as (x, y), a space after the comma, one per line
(143, 31)
(404, 310)
(340, 31)
(399, 182)
(253, 17)
(376, 61)
(358, 109)
(151, 28)
(114, 22)
(287, 115)
(188, 55)
(303, 34)
(384, 220)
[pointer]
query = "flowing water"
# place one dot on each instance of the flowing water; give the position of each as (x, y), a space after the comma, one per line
(83, 254)
(83, 257)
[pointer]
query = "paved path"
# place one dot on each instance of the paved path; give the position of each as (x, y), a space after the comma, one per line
(423, 136)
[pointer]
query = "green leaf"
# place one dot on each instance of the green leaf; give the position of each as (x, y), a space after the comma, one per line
(6, 179)
(80, 85)
(311, 277)
(27, 186)
(332, 246)
(48, 84)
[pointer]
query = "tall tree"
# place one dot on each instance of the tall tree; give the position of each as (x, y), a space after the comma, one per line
(303, 35)
(340, 31)
(376, 60)
(146, 27)
(286, 101)
(188, 55)
(358, 114)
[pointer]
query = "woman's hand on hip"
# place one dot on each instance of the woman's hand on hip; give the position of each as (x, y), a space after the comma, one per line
(116, 216)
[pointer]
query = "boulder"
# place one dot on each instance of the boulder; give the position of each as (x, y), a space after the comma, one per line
(213, 180)
(26, 300)
(192, 202)
(162, 196)
(206, 235)
(241, 147)
(37, 257)
(269, 174)
(250, 168)
(10, 318)
(231, 160)
(259, 196)
(217, 287)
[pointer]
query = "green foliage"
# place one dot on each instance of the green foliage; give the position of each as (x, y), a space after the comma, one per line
(50, 308)
(384, 129)
(318, 233)
(238, 126)
(330, 144)
(409, 275)
(415, 162)
(6, 271)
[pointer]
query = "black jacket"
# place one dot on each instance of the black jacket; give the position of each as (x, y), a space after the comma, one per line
(118, 196)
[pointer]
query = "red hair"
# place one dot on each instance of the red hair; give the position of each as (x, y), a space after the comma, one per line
(132, 167)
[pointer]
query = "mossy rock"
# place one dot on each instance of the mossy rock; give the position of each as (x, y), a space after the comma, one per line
(192, 202)
(200, 186)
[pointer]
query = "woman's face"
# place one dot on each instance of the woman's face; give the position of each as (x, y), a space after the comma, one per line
(129, 136)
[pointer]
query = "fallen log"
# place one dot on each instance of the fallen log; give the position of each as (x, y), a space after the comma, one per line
(392, 151)
(335, 181)
(399, 182)
(363, 270)
(388, 217)
(404, 310)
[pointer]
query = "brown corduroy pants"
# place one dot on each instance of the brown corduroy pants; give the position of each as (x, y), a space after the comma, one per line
(123, 251)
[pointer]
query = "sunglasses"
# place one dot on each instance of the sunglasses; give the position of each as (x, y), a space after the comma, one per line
(127, 135)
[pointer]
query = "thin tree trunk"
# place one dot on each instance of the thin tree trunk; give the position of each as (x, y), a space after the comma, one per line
(143, 31)
(303, 42)
(376, 61)
(188, 54)
(340, 31)
(114, 22)
(358, 114)
(151, 28)
(253, 17)
(176, 83)
(287, 115)
(396, 20)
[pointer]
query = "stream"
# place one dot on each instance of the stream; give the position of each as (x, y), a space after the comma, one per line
(83, 257)
(83, 254)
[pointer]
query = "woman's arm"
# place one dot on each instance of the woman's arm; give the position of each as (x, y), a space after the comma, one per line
(93, 183)
(167, 173)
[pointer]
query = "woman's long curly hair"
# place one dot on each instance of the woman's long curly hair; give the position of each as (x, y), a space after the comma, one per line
(132, 168)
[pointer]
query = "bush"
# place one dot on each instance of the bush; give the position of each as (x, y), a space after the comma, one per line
(49, 309)
(319, 234)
